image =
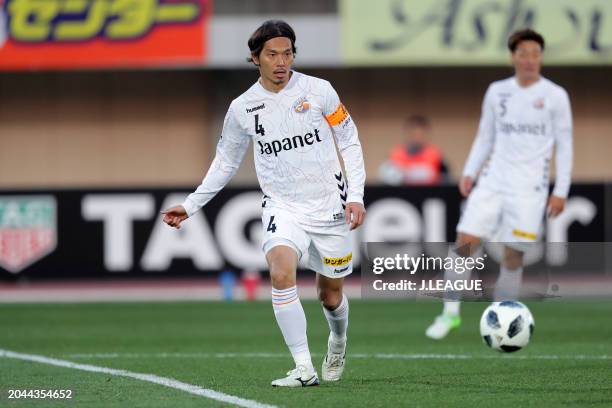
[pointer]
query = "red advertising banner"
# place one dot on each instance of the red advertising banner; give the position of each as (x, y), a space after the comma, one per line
(77, 34)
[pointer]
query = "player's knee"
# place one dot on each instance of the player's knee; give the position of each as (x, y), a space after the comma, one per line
(513, 265)
(466, 244)
(282, 275)
(282, 278)
(513, 259)
(282, 264)
(330, 297)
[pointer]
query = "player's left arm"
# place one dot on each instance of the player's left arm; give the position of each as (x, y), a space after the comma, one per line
(347, 140)
(564, 152)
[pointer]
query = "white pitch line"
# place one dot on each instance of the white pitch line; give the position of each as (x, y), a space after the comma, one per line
(166, 382)
(177, 355)
(477, 356)
(380, 356)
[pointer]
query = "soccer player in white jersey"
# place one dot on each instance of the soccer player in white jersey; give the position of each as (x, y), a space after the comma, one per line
(295, 122)
(523, 118)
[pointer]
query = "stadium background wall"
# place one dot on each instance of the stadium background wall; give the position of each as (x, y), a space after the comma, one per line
(118, 233)
(160, 128)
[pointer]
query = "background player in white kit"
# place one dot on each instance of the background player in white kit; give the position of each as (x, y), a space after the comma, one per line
(523, 117)
(309, 205)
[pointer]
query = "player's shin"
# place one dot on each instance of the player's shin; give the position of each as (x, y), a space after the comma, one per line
(452, 299)
(449, 319)
(508, 286)
(292, 323)
(338, 324)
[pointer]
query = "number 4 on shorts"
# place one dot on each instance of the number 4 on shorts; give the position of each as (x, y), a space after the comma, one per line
(271, 225)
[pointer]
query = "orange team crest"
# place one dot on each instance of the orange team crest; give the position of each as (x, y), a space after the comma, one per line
(302, 105)
(539, 103)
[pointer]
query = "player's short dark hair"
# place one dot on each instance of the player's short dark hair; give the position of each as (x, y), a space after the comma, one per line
(420, 121)
(524, 35)
(268, 30)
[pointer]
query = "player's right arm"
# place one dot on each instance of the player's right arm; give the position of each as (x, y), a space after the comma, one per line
(482, 146)
(562, 131)
(231, 149)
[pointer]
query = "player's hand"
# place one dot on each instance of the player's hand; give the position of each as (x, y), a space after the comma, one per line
(555, 206)
(355, 214)
(465, 185)
(173, 216)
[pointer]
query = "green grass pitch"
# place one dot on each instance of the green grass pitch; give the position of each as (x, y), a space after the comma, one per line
(567, 364)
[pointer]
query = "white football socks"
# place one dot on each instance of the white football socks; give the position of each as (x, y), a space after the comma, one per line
(452, 302)
(508, 286)
(338, 324)
(292, 322)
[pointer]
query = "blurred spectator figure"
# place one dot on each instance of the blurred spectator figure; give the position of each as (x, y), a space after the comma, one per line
(250, 282)
(416, 161)
(227, 281)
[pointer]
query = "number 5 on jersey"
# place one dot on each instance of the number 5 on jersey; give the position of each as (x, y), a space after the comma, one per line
(259, 129)
(271, 225)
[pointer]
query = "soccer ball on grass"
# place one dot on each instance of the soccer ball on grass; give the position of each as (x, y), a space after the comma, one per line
(506, 326)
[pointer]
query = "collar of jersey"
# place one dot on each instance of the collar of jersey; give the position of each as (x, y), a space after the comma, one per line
(294, 75)
(530, 87)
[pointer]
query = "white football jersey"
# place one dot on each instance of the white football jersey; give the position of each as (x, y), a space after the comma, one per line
(296, 161)
(518, 129)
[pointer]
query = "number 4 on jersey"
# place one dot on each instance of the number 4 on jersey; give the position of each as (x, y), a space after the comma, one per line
(271, 225)
(259, 129)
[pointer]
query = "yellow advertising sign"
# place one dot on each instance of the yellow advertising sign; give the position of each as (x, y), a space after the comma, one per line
(472, 32)
(76, 34)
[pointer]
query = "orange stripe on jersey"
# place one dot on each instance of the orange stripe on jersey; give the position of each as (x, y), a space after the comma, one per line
(338, 116)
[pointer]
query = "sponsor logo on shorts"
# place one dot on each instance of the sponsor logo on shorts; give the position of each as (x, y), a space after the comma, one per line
(523, 234)
(338, 261)
(338, 271)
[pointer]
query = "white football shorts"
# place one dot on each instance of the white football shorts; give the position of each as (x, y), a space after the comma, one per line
(501, 217)
(328, 247)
